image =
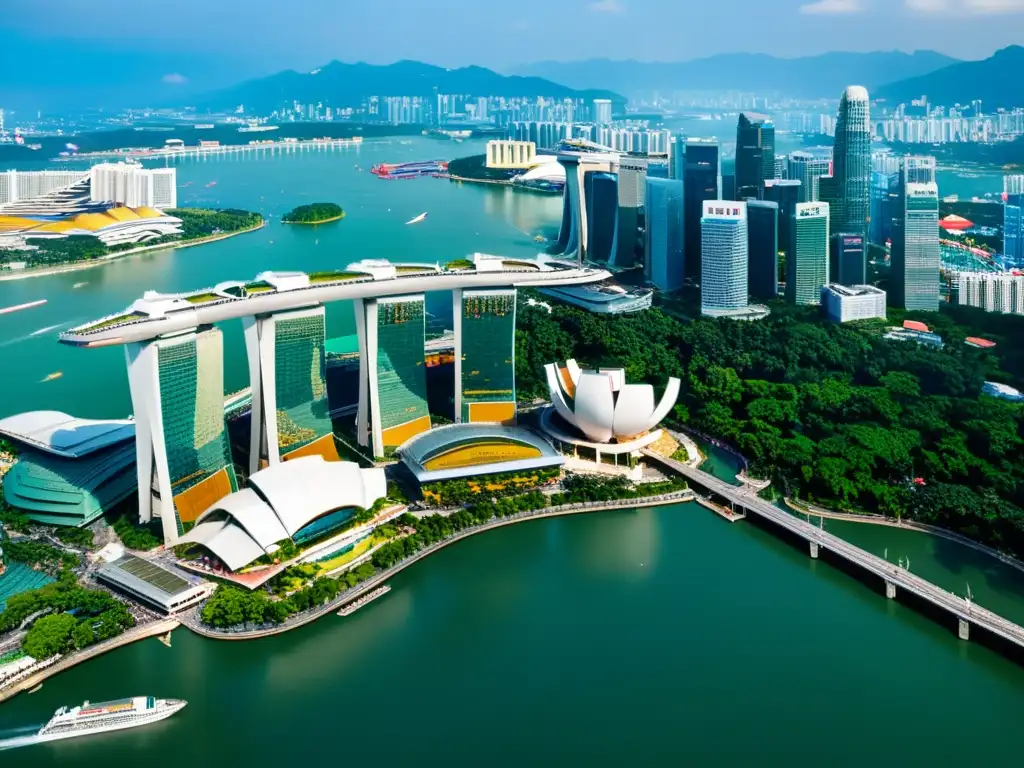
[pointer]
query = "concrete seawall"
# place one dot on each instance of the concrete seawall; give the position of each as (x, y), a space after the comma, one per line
(152, 629)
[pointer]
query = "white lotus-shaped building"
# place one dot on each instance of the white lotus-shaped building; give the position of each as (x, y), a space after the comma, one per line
(604, 408)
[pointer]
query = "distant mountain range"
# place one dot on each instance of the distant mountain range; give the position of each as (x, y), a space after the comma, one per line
(809, 76)
(341, 84)
(998, 81)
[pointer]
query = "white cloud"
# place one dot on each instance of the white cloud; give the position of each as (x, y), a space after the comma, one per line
(607, 6)
(978, 7)
(174, 79)
(832, 7)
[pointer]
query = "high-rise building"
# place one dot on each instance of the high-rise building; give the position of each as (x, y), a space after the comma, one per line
(785, 193)
(781, 168)
(602, 111)
(573, 237)
(763, 249)
(728, 191)
(392, 373)
(807, 257)
(16, 186)
(631, 187)
(663, 234)
(183, 453)
(755, 154)
(807, 169)
(1013, 230)
(852, 161)
(287, 371)
(677, 158)
(702, 180)
(915, 260)
(847, 259)
(1013, 184)
(602, 208)
(485, 356)
(134, 186)
(920, 169)
(991, 291)
(723, 288)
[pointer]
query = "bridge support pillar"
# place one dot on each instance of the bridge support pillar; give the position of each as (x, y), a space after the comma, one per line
(963, 629)
(814, 549)
(890, 590)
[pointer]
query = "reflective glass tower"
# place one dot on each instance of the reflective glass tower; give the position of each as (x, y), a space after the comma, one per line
(702, 180)
(184, 457)
(786, 193)
(632, 184)
(763, 249)
(807, 258)
(755, 154)
(1013, 230)
(847, 263)
(602, 201)
(663, 235)
(916, 256)
(287, 368)
(852, 161)
(807, 169)
(393, 378)
(723, 287)
(485, 359)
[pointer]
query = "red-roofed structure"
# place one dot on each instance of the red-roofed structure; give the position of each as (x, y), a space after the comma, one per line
(976, 341)
(955, 223)
(914, 325)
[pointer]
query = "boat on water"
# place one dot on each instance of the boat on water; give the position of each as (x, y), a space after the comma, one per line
(418, 219)
(52, 376)
(19, 307)
(69, 722)
(37, 688)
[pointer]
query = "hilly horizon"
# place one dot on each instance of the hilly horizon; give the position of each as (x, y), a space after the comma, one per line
(341, 84)
(997, 81)
(822, 76)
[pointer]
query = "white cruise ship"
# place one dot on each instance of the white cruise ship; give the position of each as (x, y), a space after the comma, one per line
(68, 722)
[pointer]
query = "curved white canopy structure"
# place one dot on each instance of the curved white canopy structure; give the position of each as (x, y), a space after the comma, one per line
(602, 406)
(280, 501)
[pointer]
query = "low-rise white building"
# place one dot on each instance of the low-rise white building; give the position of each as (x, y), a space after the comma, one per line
(843, 303)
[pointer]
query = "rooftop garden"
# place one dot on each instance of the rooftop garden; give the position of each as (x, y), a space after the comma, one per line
(334, 277)
(460, 264)
(258, 287)
(203, 298)
(111, 321)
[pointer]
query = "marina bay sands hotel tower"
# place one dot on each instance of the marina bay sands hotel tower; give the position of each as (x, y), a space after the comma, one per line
(175, 357)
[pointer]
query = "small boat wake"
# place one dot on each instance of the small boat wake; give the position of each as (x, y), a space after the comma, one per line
(418, 219)
(47, 329)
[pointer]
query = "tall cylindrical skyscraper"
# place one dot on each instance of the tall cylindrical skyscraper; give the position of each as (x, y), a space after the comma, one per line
(852, 162)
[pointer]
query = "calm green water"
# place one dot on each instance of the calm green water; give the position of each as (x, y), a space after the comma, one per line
(462, 219)
(623, 638)
(618, 638)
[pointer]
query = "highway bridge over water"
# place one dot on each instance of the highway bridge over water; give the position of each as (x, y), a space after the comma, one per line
(744, 500)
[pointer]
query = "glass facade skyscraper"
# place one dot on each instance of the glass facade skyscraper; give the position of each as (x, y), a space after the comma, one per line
(807, 169)
(847, 264)
(723, 287)
(485, 356)
(702, 181)
(663, 234)
(807, 258)
(602, 199)
(916, 256)
(755, 154)
(632, 184)
(785, 193)
(200, 470)
(852, 161)
(763, 249)
(1013, 230)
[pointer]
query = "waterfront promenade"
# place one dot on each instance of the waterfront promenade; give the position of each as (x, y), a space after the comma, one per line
(256, 147)
(191, 619)
(37, 675)
(745, 500)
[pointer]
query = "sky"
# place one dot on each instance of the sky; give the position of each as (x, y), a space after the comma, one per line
(190, 44)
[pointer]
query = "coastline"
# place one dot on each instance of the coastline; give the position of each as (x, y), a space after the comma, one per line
(316, 223)
(190, 619)
(159, 627)
(24, 274)
(811, 510)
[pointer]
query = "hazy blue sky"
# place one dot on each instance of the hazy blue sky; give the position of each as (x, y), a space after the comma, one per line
(212, 42)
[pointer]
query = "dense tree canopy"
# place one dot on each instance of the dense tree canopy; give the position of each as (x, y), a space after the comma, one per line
(831, 413)
(313, 213)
